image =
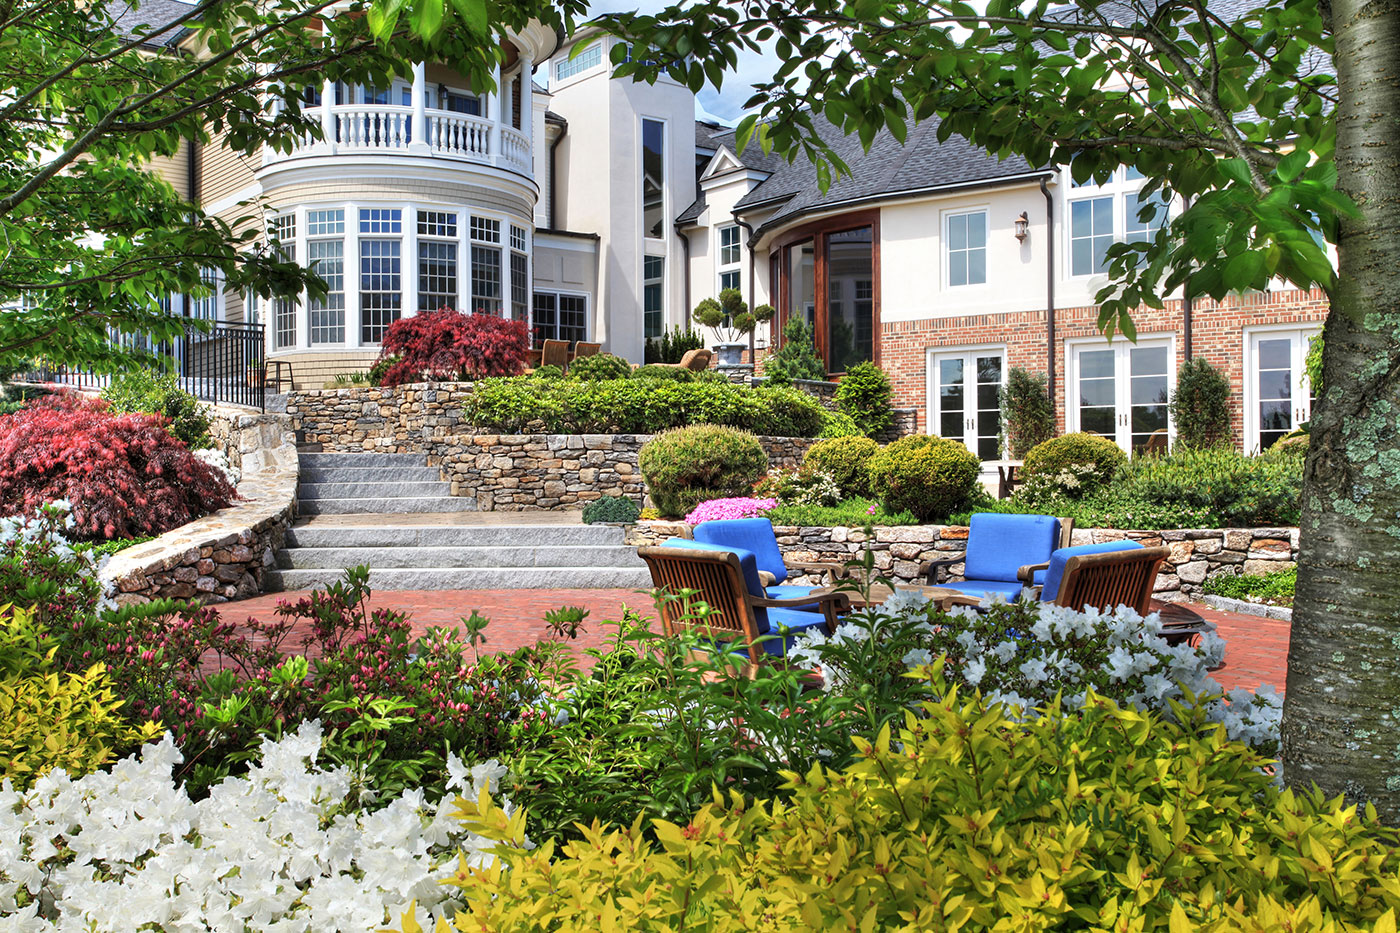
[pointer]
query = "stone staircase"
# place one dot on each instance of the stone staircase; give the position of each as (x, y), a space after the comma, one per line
(356, 484)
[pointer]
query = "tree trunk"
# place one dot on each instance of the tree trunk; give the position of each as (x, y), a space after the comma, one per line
(1341, 715)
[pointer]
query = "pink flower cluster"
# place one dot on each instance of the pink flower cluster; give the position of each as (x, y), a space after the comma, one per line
(720, 509)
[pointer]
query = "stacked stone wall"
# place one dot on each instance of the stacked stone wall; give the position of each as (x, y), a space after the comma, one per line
(401, 419)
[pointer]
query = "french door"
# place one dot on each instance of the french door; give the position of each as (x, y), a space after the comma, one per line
(1121, 390)
(1278, 396)
(965, 398)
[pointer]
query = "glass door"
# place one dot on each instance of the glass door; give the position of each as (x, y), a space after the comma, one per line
(1279, 398)
(1121, 391)
(965, 398)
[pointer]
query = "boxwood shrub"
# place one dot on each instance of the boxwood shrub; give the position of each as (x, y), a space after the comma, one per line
(1079, 449)
(638, 406)
(846, 460)
(928, 476)
(599, 366)
(687, 466)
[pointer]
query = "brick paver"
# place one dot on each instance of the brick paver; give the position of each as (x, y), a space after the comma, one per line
(1256, 649)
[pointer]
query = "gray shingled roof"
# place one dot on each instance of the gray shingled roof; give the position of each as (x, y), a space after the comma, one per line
(150, 14)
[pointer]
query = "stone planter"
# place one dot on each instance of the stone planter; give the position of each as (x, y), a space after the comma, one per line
(730, 354)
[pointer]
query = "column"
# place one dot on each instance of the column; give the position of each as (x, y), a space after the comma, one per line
(419, 144)
(498, 116)
(527, 105)
(327, 110)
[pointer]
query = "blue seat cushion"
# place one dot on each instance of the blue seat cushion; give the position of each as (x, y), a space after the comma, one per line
(751, 534)
(1012, 591)
(792, 592)
(1038, 577)
(1056, 571)
(999, 545)
(779, 643)
(747, 563)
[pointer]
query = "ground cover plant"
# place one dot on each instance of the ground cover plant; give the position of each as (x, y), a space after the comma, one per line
(122, 476)
(1273, 589)
(450, 345)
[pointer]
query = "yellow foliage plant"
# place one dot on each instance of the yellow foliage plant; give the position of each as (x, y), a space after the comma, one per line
(54, 719)
(1103, 819)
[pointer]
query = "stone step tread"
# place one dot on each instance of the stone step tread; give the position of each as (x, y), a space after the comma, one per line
(377, 505)
(446, 578)
(409, 557)
(419, 474)
(393, 489)
(365, 459)
(385, 534)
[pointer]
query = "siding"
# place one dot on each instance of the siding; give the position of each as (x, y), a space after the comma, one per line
(382, 188)
(222, 172)
(314, 370)
(175, 169)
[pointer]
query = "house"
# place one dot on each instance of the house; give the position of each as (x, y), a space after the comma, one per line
(601, 210)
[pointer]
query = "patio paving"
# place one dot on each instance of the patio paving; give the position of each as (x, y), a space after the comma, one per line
(1256, 649)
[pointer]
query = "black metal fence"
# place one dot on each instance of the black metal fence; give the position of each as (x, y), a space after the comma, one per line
(222, 364)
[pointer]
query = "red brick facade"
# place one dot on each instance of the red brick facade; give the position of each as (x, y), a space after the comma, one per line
(1217, 334)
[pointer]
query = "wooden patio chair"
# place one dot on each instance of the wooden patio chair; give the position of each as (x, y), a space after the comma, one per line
(555, 353)
(718, 577)
(1156, 444)
(1107, 579)
(582, 349)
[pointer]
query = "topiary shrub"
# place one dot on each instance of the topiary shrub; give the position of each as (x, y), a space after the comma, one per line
(611, 509)
(865, 394)
(1200, 406)
(796, 358)
(141, 390)
(1100, 455)
(1026, 411)
(666, 373)
(448, 344)
(929, 476)
(846, 460)
(687, 466)
(600, 366)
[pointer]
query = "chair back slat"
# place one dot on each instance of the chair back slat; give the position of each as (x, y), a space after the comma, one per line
(555, 353)
(1110, 579)
(718, 579)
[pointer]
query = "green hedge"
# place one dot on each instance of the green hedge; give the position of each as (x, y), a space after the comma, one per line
(638, 406)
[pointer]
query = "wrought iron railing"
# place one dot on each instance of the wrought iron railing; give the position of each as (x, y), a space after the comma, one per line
(223, 364)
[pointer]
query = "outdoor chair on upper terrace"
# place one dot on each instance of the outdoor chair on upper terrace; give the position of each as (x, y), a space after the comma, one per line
(555, 353)
(582, 349)
(757, 535)
(742, 618)
(998, 546)
(694, 360)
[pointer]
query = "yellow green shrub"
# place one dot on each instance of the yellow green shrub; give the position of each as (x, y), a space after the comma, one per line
(1101, 820)
(54, 719)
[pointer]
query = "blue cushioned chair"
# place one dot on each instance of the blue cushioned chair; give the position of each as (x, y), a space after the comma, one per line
(743, 617)
(756, 535)
(998, 547)
(1103, 575)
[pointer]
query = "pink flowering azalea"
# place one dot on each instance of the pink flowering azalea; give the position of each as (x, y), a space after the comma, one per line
(870, 511)
(720, 509)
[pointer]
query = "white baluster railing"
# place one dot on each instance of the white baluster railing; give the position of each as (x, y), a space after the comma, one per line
(515, 149)
(459, 134)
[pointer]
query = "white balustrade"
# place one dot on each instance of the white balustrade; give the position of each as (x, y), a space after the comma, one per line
(515, 149)
(459, 134)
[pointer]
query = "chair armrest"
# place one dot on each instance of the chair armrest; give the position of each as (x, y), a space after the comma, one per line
(829, 604)
(819, 567)
(766, 578)
(1027, 572)
(930, 568)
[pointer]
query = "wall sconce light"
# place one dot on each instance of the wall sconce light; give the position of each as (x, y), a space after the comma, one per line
(1023, 227)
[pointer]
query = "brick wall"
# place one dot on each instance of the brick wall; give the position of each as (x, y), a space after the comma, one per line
(1217, 334)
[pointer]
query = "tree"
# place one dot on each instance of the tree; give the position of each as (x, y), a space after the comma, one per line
(91, 242)
(1237, 110)
(1200, 405)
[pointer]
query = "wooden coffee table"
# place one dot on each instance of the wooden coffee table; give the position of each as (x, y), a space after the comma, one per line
(878, 593)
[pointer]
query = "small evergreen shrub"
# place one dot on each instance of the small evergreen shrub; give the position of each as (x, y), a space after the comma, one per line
(796, 358)
(687, 466)
(846, 460)
(1099, 455)
(1200, 406)
(1026, 412)
(866, 395)
(447, 344)
(380, 367)
(664, 373)
(141, 390)
(672, 345)
(547, 372)
(611, 509)
(599, 366)
(928, 476)
(840, 424)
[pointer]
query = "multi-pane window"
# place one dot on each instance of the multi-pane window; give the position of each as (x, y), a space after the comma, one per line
(437, 260)
(486, 279)
(327, 258)
(730, 254)
(1090, 235)
(517, 238)
(381, 220)
(1114, 211)
(579, 63)
(653, 178)
(284, 310)
(1137, 207)
(485, 230)
(653, 296)
(206, 307)
(967, 248)
(437, 223)
(381, 287)
(560, 317)
(519, 285)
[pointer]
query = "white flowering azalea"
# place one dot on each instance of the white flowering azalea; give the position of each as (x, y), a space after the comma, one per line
(275, 850)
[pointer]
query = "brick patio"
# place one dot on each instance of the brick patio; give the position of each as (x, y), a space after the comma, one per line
(1256, 649)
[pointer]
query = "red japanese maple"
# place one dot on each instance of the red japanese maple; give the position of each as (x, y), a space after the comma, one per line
(125, 475)
(447, 344)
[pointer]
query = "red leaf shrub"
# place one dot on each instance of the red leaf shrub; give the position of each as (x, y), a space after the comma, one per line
(447, 344)
(125, 475)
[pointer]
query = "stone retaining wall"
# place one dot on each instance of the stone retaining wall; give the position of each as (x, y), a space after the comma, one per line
(1196, 553)
(401, 419)
(520, 472)
(222, 556)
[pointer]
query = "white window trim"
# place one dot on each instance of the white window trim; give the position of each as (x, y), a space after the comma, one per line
(556, 82)
(1118, 187)
(1071, 371)
(722, 267)
(947, 263)
(654, 243)
(556, 292)
(931, 355)
(1251, 374)
(665, 296)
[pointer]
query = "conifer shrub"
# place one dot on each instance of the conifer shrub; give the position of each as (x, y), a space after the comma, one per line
(690, 465)
(866, 395)
(447, 344)
(796, 358)
(926, 475)
(1026, 411)
(846, 460)
(1200, 406)
(611, 509)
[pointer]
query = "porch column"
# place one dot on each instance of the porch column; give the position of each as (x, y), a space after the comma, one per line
(498, 117)
(419, 144)
(327, 109)
(527, 105)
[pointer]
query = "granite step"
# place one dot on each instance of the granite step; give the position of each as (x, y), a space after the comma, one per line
(373, 505)
(390, 489)
(483, 536)
(495, 578)
(409, 557)
(352, 474)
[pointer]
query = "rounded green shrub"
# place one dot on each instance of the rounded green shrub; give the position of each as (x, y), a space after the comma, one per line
(600, 366)
(611, 509)
(866, 395)
(690, 465)
(1079, 449)
(669, 373)
(547, 372)
(928, 476)
(840, 424)
(380, 367)
(846, 460)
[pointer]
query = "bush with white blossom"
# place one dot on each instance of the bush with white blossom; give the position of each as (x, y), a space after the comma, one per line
(1026, 654)
(219, 461)
(274, 851)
